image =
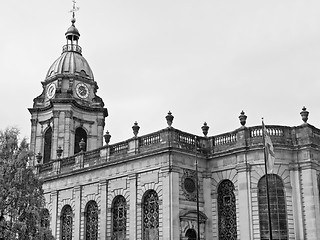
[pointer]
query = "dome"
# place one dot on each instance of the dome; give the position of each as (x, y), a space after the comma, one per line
(70, 63)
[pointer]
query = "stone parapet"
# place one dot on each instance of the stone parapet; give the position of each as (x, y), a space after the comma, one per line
(169, 139)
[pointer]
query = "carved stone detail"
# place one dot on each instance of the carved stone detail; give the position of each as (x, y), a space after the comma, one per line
(56, 113)
(34, 122)
(101, 122)
(188, 184)
(68, 114)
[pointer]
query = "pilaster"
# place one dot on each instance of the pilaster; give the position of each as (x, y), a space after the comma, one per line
(133, 207)
(309, 191)
(54, 217)
(207, 204)
(77, 215)
(55, 133)
(103, 211)
(297, 201)
(170, 203)
(244, 201)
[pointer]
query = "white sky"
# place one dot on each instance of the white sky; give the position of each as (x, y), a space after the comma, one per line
(204, 60)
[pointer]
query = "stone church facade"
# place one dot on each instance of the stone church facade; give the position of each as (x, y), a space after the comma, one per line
(147, 187)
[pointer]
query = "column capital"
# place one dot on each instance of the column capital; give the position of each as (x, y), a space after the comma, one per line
(56, 113)
(34, 121)
(207, 174)
(68, 114)
(103, 182)
(308, 165)
(132, 176)
(168, 169)
(243, 167)
(77, 188)
(54, 193)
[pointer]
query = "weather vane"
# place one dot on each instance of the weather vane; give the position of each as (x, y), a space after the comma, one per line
(74, 8)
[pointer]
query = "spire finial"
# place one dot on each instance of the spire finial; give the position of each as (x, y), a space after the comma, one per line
(74, 10)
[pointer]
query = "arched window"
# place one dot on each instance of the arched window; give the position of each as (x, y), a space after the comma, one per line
(277, 208)
(119, 218)
(79, 135)
(66, 223)
(227, 221)
(191, 234)
(47, 145)
(45, 218)
(91, 221)
(150, 216)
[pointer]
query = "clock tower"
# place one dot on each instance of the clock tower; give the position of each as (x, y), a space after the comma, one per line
(68, 110)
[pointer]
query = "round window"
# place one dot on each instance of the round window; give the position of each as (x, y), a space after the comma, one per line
(189, 185)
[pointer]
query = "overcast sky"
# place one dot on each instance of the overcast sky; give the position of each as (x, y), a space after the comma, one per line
(204, 60)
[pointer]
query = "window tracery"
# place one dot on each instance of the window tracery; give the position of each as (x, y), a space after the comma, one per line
(66, 223)
(277, 208)
(227, 221)
(150, 208)
(119, 218)
(91, 221)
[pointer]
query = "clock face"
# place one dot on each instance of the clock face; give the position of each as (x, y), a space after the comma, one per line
(82, 90)
(51, 90)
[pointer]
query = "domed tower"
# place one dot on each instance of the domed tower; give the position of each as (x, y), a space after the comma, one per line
(68, 109)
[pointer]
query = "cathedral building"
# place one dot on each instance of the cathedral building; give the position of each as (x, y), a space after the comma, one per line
(169, 184)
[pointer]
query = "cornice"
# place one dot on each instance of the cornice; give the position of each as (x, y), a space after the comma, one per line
(69, 101)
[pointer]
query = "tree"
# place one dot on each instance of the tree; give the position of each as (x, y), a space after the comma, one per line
(21, 194)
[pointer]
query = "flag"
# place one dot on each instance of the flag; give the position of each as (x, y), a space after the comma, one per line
(268, 149)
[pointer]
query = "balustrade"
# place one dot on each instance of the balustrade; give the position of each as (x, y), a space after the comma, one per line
(149, 139)
(119, 148)
(225, 139)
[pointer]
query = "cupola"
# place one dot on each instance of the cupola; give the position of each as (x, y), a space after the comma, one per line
(71, 61)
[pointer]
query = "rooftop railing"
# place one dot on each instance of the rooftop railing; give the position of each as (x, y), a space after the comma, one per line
(174, 138)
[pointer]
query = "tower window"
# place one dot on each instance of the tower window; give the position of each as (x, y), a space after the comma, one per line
(80, 134)
(47, 145)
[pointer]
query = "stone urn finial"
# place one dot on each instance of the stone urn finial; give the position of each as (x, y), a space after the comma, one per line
(205, 129)
(107, 137)
(304, 114)
(243, 118)
(59, 152)
(82, 145)
(169, 119)
(38, 157)
(135, 129)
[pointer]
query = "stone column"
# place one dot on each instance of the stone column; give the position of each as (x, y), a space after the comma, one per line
(103, 211)
(77, 214)
(244, 202)
(55, 214)
(309, 191)
(133, 207)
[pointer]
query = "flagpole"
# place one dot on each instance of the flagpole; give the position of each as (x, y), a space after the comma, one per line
(267, 185)
(197, 184)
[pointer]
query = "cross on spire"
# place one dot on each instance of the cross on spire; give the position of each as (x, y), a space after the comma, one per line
(74, 8)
